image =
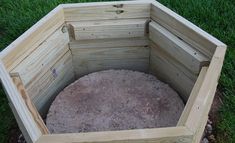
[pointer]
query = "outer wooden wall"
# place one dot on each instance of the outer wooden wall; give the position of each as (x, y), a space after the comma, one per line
(108, 36)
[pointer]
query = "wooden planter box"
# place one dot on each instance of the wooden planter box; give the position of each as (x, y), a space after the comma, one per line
(77, 39)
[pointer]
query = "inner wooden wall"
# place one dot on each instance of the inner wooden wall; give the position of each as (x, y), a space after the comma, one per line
(108, 37)
(173, 60)
(47, 70)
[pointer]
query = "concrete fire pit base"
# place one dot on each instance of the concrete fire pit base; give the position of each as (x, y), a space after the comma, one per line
(114, 100)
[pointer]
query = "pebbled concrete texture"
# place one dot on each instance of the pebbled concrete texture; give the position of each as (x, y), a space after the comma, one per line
(114, 100)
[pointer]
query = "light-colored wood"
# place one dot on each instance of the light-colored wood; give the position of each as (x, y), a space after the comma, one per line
(44, 82)
(85, 67)
(37, 118)
(184, 29)
(86, 60)
(159, 135)
(94, 55)
(44, 88)
(43, 57)
(23, 115)
(176, 48)
(171, 72)
(108, 29)
(107, 43)
(32, 38)
(192, 97)
(106, 10)
(203, 101)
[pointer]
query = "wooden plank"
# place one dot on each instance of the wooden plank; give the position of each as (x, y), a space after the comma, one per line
(170, 72)
(24, 117)
(108, 29)
(176, 48)
(106, 10)
(203, 101)
(44, 88)
(158, 135)
(86, 60)
(32, 38)
(107, 43)
(85, 67)
(42, 58)
(31, 107)
(192, 97)
(184, 29)
(111, 53)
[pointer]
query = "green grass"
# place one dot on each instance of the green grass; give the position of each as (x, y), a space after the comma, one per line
(214, 16)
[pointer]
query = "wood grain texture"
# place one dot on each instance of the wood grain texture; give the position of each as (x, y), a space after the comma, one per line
(171, 72)
(21, 111)
(31, 107)
(32, 38)
(86, 60)
(44, 88)
(191, 58)
(192, 97)
(203, 101)
(159, 135)
(42, 58)
(106, 10)
(107, 43)
(184, 29)
(108, 29)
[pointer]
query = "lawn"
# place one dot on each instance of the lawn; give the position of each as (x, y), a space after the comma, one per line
(217, 17)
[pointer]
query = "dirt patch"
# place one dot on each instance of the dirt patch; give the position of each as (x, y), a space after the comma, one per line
(114, 100)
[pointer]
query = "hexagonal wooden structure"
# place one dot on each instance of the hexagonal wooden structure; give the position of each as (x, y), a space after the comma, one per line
(76, 39)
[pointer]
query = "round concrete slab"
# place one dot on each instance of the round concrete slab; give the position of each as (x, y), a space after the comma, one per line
(114, 100)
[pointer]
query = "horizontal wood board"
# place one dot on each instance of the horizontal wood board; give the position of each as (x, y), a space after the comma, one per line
(182, 52)
(43, 57)
(159, 135)
(107, 10)
(184, 29)
(170, 72)
(102, 29)
(133, 55)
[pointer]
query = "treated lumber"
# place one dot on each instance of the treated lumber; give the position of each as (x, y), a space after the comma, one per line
(31, 107)
(176, 48)
(184, 29)
(107, 43)
(86, 60)
(203, 101)
(44, 88)
(192, 97)
(108, 29)
(32, 38)
(159, 135)
(171, 72)
(106, 10)
(21, 111)
(42, 58)
(85, 67)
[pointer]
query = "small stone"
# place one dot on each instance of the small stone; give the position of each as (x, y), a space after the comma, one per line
(209, 122)
(211, 138)
(209, 129)
(205, 140)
